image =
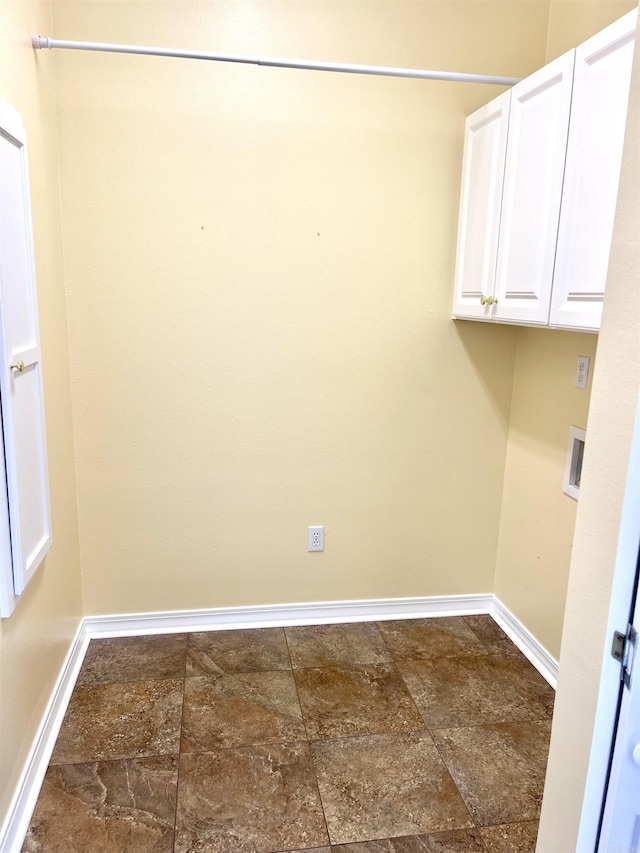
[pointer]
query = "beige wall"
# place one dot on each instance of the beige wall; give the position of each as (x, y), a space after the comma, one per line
(537, 519)
(259, 266)
(574, 21)
(611, 420)
(35, 640)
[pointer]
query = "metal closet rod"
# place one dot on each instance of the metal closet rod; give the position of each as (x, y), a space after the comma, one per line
(40, 42)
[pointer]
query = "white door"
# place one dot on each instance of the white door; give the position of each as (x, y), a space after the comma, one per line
(621, 605)
(7, 593)
(621, 822)
(485, 143)
(594, 154)
(20, 374)
(536, 150)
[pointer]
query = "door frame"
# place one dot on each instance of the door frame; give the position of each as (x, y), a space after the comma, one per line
(622, 595)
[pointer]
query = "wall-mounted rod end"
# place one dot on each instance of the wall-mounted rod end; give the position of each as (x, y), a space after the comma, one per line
(37, 42)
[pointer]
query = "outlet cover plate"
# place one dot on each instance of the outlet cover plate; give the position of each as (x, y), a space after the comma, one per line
(582, 372)
(315, 538)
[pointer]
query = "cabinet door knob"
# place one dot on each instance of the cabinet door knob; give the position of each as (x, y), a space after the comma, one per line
(488, 300)
(19, 365)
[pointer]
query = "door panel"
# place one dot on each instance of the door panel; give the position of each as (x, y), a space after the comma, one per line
(20, 369)
(485, 142)
(536, 150)
(594, 155)
(621, 821)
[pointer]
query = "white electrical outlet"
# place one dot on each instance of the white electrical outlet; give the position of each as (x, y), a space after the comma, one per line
(315, 538)
(582, 372)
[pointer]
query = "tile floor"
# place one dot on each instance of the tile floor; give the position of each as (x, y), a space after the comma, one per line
(390, 737)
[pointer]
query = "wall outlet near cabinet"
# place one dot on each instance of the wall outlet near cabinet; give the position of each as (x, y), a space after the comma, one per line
(582, 372)
(315, 538)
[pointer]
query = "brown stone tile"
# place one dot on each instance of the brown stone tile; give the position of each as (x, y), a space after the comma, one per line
(258, 798)
(128, 720)
(106, 807)
(320, 646)
(134, 659)
(465, 691)
(355, 700)
(531, 686)
(458, 841)
(247, 650)
(240, 710)
(422, 639)
(384, 786)
(309, 850)
(511, 838)
(491, 635)
(499, 769)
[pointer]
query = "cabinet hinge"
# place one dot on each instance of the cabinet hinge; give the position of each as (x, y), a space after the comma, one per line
(623, 649)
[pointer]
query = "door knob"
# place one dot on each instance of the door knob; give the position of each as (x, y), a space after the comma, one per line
(636, 754)
(17, 365)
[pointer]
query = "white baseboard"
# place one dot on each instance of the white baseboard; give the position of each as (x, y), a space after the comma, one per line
(534, 651)
(309, 613)
(16, 823)
(180, 621)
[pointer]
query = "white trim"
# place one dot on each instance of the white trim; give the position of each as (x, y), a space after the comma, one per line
(620, 609)
(310, 613)
(16, 823)
(534, 651)
(317, 613)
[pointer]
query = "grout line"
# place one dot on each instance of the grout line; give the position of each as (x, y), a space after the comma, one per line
(309, 741)
(175, 813)
(178, 762)
(116, 759)
(295, 684)
(455, 784)
(411, 697)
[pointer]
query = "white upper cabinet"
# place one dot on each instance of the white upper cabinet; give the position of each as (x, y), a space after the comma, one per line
(485, 144)
(594, 156)
(536, 150)
(555, 206)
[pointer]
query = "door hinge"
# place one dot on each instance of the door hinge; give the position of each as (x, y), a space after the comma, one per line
(623, 650)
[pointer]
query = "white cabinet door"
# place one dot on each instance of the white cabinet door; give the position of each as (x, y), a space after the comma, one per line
(594, 155)
(536, 149)
(20, 376)
(485, 141)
